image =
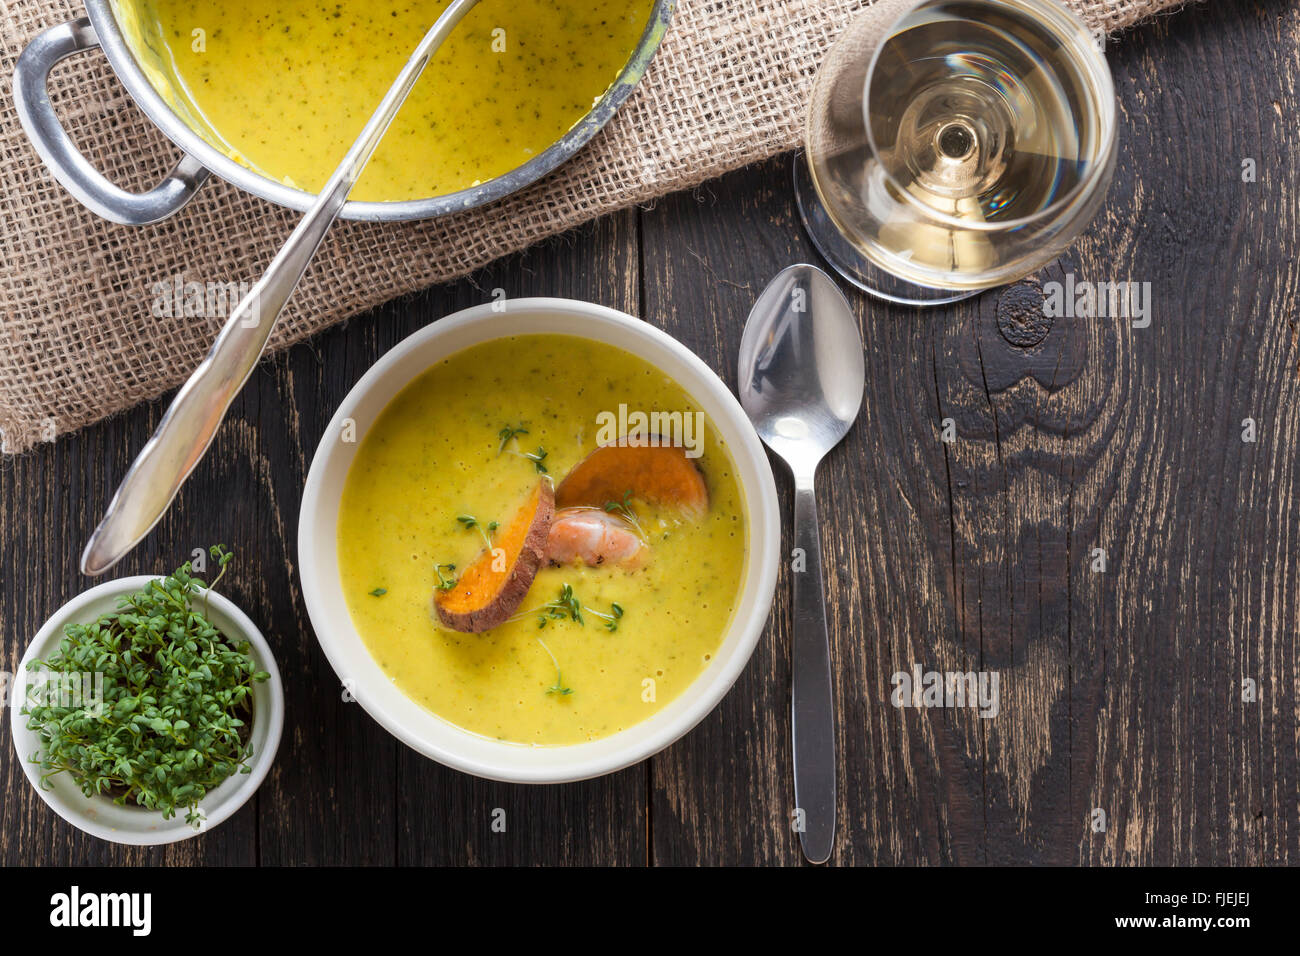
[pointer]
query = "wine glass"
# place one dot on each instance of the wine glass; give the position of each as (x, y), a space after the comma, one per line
(955, 145)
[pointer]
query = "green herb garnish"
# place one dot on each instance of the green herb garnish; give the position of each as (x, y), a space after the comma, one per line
(568, 606)
(623, 507)
(558, 687)
(470, 523)
(625, 511)
(444, 584)
(177, 697)
(537, 458)
(379, 592)
(615, 612)
(506, 434)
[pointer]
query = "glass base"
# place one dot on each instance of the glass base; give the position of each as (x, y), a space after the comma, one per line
(851, 264)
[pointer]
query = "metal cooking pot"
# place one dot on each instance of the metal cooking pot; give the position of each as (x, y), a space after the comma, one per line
(100, 28)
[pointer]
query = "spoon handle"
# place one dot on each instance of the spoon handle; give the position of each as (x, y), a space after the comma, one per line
(186, 431)
(812, 702)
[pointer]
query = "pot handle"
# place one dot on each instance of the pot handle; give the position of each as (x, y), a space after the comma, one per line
(70, 167)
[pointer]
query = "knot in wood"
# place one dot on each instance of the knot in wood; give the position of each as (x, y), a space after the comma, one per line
(1021, 318)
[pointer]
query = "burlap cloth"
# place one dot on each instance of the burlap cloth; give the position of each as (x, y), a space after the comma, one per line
(78, 337)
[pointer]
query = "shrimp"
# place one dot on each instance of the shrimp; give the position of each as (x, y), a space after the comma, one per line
(595, 538)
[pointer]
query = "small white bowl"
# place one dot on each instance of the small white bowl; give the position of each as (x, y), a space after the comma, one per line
(131, 824)
(318, 552)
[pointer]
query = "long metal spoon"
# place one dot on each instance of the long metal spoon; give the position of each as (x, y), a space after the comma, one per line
(196, 412)
(801, 381)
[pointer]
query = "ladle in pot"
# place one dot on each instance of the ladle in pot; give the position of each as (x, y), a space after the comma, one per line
(196, 412)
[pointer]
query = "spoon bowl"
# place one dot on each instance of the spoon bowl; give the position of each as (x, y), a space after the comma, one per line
(801, 366)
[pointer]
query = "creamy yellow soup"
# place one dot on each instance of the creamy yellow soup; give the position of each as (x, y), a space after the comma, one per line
(284, 88)
(435, 455)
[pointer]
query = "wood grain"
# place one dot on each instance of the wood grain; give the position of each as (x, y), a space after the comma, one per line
(1120, 690)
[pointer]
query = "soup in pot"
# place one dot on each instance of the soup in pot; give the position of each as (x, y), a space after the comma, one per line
(284, 88)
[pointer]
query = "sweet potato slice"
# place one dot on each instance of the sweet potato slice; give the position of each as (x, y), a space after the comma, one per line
(660, 475)
(491, 589)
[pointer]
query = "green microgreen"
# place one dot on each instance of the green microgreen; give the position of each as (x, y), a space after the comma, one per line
(472, 523)
(623, 507)
(568, 606)
(558, 688)
(610, 620)
(445, 583)
(172, 720)
(537, 458)
(507, 433)
(615, 612)
(625, 511)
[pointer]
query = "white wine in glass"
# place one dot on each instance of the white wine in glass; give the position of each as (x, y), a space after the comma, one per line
(955, 145)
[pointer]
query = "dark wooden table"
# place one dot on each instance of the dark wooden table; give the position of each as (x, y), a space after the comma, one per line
(1120, 690)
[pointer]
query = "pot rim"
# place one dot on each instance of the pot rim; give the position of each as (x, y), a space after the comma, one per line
(129, 73)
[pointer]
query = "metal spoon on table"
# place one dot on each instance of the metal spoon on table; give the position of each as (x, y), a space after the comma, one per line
(196, 412)
(801, 381)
